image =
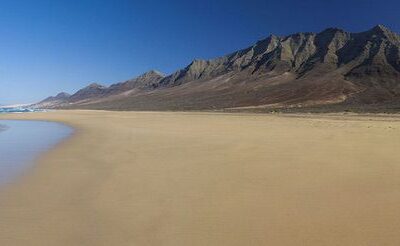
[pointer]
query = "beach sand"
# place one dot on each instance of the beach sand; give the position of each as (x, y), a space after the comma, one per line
(149, 178)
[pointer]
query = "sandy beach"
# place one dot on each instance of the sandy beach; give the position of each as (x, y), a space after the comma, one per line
(151, 178)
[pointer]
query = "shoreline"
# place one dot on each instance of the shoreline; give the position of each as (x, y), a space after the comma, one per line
(168, 178)
(23, 143)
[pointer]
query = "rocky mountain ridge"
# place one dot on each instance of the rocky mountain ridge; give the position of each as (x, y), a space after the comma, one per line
(333, 67)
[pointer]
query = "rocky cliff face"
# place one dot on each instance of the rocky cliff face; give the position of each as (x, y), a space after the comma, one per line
(300, 70)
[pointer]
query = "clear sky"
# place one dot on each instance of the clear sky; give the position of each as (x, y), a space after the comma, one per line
(48, 46)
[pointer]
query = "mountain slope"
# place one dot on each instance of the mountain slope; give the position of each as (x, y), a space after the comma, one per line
(333, 67)
(51, 102)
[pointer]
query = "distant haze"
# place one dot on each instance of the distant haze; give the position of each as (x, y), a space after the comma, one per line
(52, 46)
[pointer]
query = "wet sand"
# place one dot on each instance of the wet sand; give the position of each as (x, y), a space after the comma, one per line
(22, 141)
(139, 178)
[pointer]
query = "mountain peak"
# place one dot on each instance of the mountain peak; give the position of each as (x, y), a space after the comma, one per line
(94, 85)
(143, 80)
(272, 36)
(333, 30)
(152, 73)
(380, 27)
(381, 30)
(198, 61)
(62, 95)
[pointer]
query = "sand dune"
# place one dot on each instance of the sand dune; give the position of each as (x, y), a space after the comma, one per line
(141, 178)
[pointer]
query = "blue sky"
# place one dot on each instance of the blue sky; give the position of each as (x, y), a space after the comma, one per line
(50, 46)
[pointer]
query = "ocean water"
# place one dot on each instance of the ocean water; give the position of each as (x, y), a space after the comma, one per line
(17, 110)
(23, 141)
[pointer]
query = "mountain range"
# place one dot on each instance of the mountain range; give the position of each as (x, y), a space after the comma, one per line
(331, 70)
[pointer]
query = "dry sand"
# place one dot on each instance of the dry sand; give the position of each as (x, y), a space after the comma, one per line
(139, 178)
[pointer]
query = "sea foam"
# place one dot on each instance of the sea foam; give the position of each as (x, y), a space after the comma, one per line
(17, 110)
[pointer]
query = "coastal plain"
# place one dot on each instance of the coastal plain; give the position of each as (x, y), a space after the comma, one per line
(197, 178)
